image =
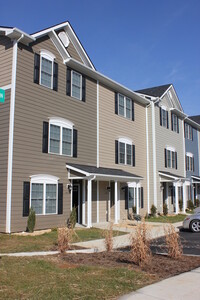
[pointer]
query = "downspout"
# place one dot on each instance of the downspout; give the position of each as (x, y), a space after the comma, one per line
(11, 135)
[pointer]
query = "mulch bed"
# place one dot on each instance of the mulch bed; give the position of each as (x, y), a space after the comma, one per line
(161, 266)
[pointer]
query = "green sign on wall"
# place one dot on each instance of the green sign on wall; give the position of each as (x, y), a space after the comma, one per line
(2, 96)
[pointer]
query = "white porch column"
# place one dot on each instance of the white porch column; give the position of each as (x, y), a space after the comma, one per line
(167, 194)
(83, 202)
(196, 191)
(119, 202)
(184, 197)
(97, 201)
(116, 204)
(137, 199)
(192, 191)
(176, 198)
(89, 206)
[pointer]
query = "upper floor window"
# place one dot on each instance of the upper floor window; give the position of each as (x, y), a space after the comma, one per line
(175, 123)
(59, 137)
(124, 152)
(76, 85)
(164, 117)
(189, 161)
(170, 158)
(46, 70)
(188, 132)
(124, 106)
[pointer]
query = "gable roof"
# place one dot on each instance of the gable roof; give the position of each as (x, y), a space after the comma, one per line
(156, 91)
(195, 119)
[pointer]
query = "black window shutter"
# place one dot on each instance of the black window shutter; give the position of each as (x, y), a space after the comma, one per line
(160, 116)
(116, 152)
(60, 198)
(192, 133)
(126, 197)
(186, 162)
(176, 160)
(165, 151)
(133, 154)
(142, 198)
(83, 88)
(133, 116)
(55, 76)
(68, 84)
(172, 124)
(177, 124)
(116, 103)
(75, 142)
(45, 137)
(26, 198)
(193, 163)
(184, 128)
(36, 68)
(167, 120)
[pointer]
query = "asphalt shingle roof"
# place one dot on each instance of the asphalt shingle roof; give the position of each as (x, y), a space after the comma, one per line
(195, 119)
(156, 91)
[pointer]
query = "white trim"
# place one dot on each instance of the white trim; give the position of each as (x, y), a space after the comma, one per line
(97, 201)
(163, 107)
(50, 57)
(83, 202)
(11, 137)
(6, 87)
(61, 122)
(124, 100)
(81, 78)
(198, 150)
(125, 141)
(172, 149)
(89, 200)
(71, 195)
(189, 154)
(97, 124)
(44, 178)
(59, 46)
(116, 203)
(147, 152)
(154, 153)
(47, 54)
(77, 170)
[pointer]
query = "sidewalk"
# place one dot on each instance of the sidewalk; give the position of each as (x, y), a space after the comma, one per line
(181, 287)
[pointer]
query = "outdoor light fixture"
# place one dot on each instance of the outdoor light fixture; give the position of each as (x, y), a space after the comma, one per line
(108, 188)
(69, 186)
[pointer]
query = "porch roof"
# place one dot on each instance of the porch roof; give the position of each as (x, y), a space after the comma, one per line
(171, 176)
(195, 179)
(104, 173)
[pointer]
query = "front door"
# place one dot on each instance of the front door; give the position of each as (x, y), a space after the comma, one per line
(76, 201)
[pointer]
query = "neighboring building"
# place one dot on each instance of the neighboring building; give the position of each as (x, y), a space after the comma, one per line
(70, 137)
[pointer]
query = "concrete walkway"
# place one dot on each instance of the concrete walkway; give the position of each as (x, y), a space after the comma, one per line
(181, 287)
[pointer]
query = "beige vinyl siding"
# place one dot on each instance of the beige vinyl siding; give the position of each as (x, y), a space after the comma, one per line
(112, 127)
(4, 137)
(6, 52)
(73, 52)
(35, 104)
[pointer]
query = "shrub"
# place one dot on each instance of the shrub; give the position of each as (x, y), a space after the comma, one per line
(165, 209)
(190, 205)
(140, 252)
(181, 205)
(153, 210)
(197, 202)
(72, 218)
(173, 242)
(134, 209)
(64, 238)
(31, 221)
(109, 238)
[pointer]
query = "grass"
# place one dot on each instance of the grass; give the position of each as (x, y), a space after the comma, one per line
(47, 241)
(167, 219)
(44, 279)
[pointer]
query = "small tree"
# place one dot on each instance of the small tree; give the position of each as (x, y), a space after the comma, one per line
(165, 209)
(72, 218)
(153, 210)
(190, 205)
(109, 238)
(181, 204)
(31, 221)
(64, 238)
(134, 209)
(173, 242)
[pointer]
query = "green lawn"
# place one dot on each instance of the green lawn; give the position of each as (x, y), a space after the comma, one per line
(167, 219)
(33, 278)
(47, 241)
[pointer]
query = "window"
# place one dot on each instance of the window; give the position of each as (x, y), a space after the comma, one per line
(44, 194)
(189, 161)
(124, 106)
(125, 151)
(76, 87)
(170, 158)
(164, 117)
(46, 72)
(188, 132)
(175, 123)
(60, 136)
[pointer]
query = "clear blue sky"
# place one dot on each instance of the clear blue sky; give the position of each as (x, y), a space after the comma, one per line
(139, 43)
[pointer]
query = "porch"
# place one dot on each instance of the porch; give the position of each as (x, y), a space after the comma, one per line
(103, 194)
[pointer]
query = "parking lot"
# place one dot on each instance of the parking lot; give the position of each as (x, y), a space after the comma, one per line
(190, 242)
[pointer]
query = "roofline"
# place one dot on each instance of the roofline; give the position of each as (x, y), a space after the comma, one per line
(15, 33)
(106, 80)
(172, 176)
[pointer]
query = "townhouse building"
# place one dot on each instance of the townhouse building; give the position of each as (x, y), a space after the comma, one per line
(70, 136)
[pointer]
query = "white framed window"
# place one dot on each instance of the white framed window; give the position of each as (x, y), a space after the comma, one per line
(170, 158)
(188, 132)
(189, 162)
(125, 151)
(60, 136)
(164, 117)
(46, 68)
(76, 85)
(44, 194)
(124, 106)
(175, 121)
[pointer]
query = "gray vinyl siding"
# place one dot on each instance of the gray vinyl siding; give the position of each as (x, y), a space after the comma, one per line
(4, 136)
(35, 104)
(192, 147)
(112, 127)
(6, 52)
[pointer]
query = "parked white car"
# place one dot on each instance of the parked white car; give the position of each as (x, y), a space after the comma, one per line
(192, 222)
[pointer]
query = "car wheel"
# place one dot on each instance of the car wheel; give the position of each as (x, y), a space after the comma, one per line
(195, 226)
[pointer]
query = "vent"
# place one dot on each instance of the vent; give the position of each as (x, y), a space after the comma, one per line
(64, 38)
